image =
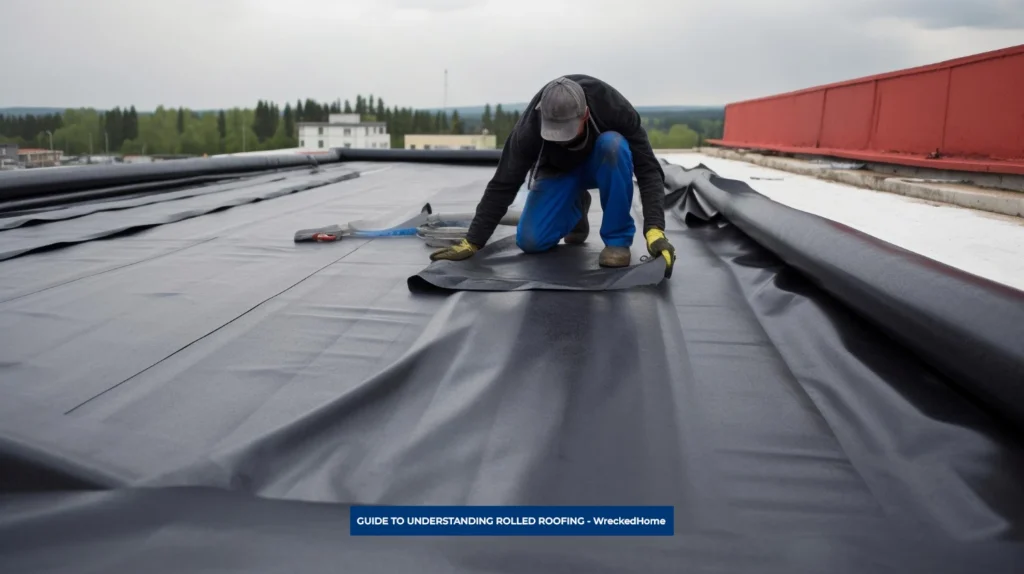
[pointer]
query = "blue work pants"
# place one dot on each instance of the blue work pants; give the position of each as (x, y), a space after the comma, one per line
(553, 207)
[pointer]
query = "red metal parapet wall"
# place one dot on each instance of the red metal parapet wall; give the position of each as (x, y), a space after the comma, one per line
(965, 114)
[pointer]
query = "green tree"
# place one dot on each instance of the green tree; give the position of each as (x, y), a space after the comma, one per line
(113, 127)
(348, 107)
(399, 124)
(131, 125)
(505, 122)
(222, 124)
(158, 132)
(81, 132)
(26, 128)
(120, 131)
(679, 136)
(275, 119)
(682, 136)
(201, 136)
(288, 123)
(456, 126)
(257, 119)
(501, 127)
(314, 112)
(265, 120)
(181, 130)
(240, 136)
(710, 128)
(487, 121)
(282, 138)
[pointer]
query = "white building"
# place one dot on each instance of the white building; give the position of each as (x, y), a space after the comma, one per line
(341, 131)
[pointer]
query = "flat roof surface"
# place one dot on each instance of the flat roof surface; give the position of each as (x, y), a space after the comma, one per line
(188, 342)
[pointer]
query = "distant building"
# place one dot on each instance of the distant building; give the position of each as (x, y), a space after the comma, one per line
(343, 131)
(8, 155)
(451, 141)
(33, 157)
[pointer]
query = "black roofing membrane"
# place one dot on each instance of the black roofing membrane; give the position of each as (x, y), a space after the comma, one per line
(64, 211)
(208, 395)
(135, 214)
(502, 266)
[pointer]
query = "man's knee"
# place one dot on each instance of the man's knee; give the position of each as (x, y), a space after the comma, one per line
(531, 243)
(613, 147)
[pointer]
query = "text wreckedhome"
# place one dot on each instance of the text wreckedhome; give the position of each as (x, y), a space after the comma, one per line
(509, 521)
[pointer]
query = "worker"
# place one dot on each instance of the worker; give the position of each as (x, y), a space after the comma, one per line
(578, 133)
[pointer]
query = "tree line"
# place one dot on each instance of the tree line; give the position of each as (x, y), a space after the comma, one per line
(268, 126)
(27, 128)
(683, 129)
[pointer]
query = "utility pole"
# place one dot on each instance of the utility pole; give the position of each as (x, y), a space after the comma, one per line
(243, 134)
(444, 103)
(106, 143)
(90, 148)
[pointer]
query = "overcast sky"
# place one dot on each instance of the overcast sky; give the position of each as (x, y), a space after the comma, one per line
(223, 53)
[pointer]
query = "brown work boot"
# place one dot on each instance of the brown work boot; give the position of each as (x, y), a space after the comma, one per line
(614, 257)
(579, 233)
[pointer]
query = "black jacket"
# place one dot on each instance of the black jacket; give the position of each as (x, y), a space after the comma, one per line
(523, 148)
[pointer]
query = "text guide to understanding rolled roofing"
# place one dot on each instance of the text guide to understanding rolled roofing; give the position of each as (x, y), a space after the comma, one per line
(511, 521)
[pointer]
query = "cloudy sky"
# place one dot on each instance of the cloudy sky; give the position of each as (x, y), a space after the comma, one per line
(222, 53)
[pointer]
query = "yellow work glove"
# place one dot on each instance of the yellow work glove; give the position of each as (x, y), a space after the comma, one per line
(657, 245)
(461, 250)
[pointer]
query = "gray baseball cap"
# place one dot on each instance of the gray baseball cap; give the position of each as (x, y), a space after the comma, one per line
(562, 105)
